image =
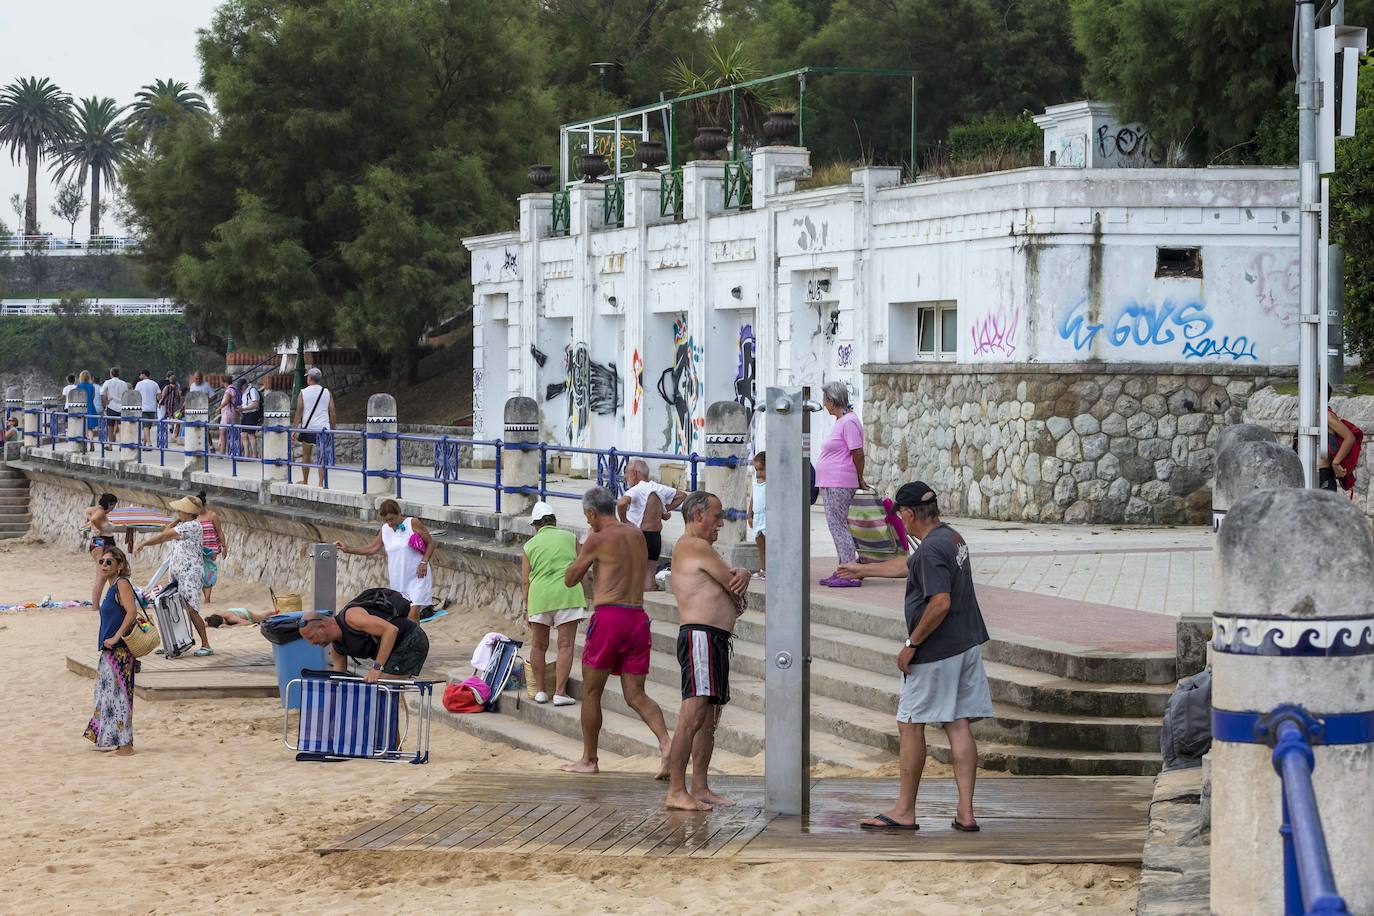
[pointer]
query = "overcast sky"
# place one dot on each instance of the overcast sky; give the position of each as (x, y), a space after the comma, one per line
(93, 47)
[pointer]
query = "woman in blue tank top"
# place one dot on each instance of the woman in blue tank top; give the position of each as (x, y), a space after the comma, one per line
(112, 725)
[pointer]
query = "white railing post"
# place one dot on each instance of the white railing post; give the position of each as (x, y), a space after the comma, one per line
(197, 414)
(276, 417)
(381, 450)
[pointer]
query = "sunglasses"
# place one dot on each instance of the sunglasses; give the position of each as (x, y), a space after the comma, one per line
(107, 562)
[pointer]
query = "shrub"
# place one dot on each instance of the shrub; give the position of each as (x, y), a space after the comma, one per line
(998, 137)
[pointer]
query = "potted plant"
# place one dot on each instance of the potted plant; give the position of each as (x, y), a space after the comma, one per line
(712, 113)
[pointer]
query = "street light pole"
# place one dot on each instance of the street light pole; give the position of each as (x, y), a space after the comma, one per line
(1311, 351)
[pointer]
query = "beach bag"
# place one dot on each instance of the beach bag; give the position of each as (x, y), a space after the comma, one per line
(874, 538)
(1348, 481)
(467, 696)
(417, 543)
(1187, 732)
(281, 629)
(144, 637)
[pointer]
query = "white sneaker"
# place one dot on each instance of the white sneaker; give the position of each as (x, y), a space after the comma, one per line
(541, 697)
(561, 700)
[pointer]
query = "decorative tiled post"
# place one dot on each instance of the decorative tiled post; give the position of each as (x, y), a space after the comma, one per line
(727, 435)
(276, 417)
(381, 450)
(76, 424)
(33, 418)
(197, 413)
(1294, 629)
(520, 467)
(129, 429)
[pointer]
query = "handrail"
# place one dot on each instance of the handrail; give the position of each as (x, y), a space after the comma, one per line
(613, 203)
(561, 217)
(670, 194)
(739, 185)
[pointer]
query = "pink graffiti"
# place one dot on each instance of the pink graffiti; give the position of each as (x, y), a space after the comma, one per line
(996, 333)
(1276, 287)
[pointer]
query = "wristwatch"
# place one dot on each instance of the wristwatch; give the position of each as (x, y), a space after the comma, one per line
(909, 644)
(376, 666)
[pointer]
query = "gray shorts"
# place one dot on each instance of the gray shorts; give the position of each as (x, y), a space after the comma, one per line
(408, 656)
(954, 688)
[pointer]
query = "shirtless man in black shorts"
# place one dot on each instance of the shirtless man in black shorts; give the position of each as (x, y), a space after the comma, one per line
(710, 598)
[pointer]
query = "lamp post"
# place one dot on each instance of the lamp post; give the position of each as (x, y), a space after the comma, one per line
(602, 68)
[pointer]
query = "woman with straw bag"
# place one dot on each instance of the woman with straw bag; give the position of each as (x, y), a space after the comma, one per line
(112, 725)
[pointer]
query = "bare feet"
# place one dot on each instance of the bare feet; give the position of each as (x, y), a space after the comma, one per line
(662, 768)
(125, 751)
(581, 766)
(712, 799)
(681, 801)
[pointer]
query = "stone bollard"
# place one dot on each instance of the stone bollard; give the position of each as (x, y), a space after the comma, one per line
(196, 411)
(1295, 627)
(520, 468)
(76, 426)
(129, 431)
(33, 419)
(14, 404)
(381, 452)
(276, 417)
(727, 432)
(1242, 432)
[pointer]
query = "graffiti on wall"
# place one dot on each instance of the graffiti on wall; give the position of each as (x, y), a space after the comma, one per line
(744, 369)
(603, 391)
(995, 334)
(1131, 144)
(844, 356)
(1276, 284)
(1170, 324)
(682, 388)
(637, 366)
(1072, 152)
(591, 388)
(479, 401)
(539, 358)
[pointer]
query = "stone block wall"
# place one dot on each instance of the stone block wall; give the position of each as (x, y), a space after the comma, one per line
(1074, 443)
(348, 449)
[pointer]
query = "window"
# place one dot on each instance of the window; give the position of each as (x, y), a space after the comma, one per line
(922, 331)
(1178, 262)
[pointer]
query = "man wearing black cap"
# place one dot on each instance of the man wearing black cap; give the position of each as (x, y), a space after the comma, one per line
(943, 681)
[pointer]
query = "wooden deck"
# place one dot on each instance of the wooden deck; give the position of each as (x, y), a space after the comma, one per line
(1035, 819)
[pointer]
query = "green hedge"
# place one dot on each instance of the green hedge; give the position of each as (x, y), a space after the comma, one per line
(994, 135)
(59, 345)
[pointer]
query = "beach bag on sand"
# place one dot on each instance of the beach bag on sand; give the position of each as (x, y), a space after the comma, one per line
(469, 696)
(1187, 732)
(873, 536)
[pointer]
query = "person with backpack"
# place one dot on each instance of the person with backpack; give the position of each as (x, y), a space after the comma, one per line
(314, 416)
(375, 625)
(229, 408)
(252, 417)
(1338, 469)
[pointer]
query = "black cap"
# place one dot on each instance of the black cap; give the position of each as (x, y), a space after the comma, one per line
(914, 494)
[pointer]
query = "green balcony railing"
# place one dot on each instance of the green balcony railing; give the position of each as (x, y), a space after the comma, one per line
(562, 213)
(613, 203)
(670, 194)
(739, 185)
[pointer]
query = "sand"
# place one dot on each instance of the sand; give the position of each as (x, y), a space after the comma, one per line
(212, 815)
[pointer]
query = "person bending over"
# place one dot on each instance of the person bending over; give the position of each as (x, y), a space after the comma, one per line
(395, 644)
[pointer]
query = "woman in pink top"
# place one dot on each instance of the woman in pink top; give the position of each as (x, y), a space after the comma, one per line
(839, 473)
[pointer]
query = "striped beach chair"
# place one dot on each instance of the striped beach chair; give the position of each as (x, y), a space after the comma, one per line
(343, 717)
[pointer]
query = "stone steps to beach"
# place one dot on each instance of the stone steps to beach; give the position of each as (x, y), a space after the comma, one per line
(1062, 710)
(14, 503)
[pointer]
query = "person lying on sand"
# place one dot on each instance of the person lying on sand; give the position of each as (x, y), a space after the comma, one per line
(237, 617)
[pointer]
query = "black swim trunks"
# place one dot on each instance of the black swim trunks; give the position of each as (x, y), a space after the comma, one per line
(654, 540)
(703, 653)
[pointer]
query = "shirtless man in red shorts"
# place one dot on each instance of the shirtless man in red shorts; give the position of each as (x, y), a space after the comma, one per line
(618, 637)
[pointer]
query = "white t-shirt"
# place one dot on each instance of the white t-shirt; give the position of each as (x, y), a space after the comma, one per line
(252, 399)
(114, 390)
(310, 396)
(147, 390)
(639, 498)
(66, 391)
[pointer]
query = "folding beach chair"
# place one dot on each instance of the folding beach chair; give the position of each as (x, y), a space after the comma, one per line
(169, 614)
(343, 717)
(498, 671)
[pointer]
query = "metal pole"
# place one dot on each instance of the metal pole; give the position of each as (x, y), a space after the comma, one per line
(324, 576)
(801, 110)
(1335, 314)
(913, 127)
(734, 125)
(1311, 397)
(787, 633)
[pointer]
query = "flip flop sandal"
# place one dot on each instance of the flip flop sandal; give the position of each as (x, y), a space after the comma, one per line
(202, 652)
(958, 826)
(888, 824)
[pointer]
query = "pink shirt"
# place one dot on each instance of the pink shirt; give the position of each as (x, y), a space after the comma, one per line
(835, 467)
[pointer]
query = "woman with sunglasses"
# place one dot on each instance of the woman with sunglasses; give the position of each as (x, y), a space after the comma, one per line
(188, 561)
(112, 725)
(101, 533)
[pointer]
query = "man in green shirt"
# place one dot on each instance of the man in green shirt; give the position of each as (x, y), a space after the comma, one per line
(550, 603)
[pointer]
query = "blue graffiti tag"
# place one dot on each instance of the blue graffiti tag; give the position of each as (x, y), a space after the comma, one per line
(1074, 326)
(1239, 348)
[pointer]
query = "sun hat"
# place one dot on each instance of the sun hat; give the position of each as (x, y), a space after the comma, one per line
(541, 510)
(189, 504)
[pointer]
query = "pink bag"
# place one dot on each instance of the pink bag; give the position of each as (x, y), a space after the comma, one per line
(416, 542)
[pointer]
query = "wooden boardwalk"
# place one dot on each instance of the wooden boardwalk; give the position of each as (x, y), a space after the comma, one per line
(1033, 819)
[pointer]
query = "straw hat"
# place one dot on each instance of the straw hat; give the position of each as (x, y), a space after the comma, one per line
(188, 504)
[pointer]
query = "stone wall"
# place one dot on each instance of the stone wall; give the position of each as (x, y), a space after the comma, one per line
(348, 449)
(1074, 442)
(271, 543)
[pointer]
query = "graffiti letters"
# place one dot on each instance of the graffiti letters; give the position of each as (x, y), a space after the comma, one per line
(845, 356)
(1236, 349)
(995, 334)
(1150, 324)
(1276, 285)
(577, 364)
(603, 393)
(479, 397)
(1131, 144)
(510, 263)
(682, 389)
(744, 369)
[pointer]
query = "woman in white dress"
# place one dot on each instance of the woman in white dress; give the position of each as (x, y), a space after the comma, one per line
(408, 547)
(188, 560)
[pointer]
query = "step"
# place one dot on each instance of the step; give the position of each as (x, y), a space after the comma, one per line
(1030, 761)
(9, 499)
(835, 622)
(9, 473)
(14, 483)
(508, 729)
(13, 530)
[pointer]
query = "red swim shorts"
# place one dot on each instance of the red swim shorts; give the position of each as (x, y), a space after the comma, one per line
(618, 640)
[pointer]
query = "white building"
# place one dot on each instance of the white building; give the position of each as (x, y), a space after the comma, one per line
(624, 330)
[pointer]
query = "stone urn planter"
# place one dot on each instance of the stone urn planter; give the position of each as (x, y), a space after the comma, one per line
(591, 166)
(780, 128)
(652, 154)
(711, 140)
(541, 176)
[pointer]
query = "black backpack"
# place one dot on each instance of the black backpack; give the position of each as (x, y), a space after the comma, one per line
(1187, 732)
(382, 602)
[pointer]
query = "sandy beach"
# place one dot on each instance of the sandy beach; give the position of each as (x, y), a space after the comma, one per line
(212, 814)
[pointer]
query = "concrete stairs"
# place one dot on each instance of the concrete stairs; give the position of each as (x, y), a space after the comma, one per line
(14, 503)
(1057, 710)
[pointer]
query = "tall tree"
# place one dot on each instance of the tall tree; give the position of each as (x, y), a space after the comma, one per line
(356, 143)
(68, 204)
(97, 146)
(35, 116)
(159, 102)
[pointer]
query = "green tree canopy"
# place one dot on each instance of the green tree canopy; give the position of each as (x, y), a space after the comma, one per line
(35, 116)
(97, 146)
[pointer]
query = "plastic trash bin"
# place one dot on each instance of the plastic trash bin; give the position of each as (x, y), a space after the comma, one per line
(291, 654)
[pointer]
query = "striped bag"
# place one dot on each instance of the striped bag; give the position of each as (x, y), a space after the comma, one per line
(873, 535)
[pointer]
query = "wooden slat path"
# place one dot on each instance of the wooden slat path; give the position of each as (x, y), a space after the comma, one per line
(1030, 819)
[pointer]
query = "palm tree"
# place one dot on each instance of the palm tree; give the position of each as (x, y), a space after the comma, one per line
(157, 103)
(98, 146)
(35, 115)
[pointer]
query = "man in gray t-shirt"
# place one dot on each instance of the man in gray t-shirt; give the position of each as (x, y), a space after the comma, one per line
(943, 680)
